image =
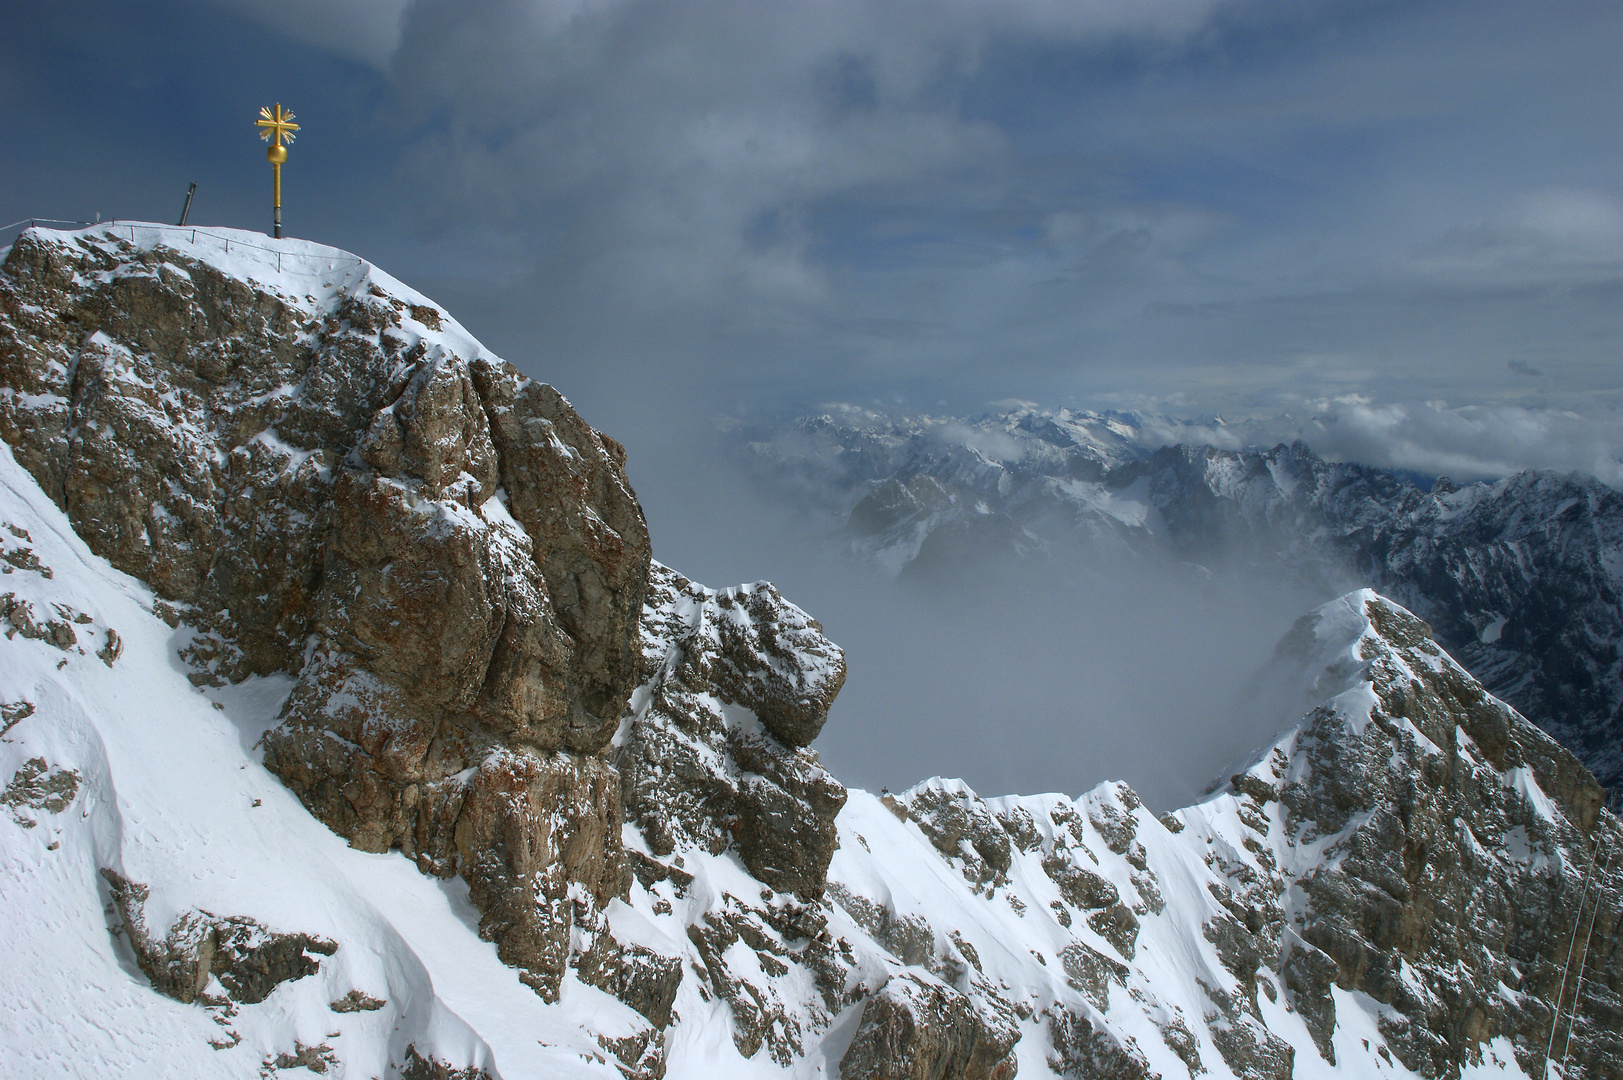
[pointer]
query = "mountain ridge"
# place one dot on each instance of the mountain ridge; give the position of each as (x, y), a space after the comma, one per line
(455, 781)
(1522, 577)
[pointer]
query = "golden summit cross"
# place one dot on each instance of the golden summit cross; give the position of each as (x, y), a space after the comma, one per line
(276, 127)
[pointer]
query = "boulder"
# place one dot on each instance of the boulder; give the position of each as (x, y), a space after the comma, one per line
(700, 763)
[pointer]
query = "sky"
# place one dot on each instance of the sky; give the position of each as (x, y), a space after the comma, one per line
(1402, 221)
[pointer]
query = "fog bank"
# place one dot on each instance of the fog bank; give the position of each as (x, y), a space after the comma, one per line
(1050, 676)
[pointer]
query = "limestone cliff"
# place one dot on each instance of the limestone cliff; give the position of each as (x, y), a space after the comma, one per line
(324, 475)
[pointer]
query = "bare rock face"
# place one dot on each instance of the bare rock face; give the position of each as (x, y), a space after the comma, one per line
(417, 1067)
(712, 768)
(325, 477)
(961, 827)
(736, 682)
(536, 838)
(1451, 867)
(640, 977)
(248, 960)
(1441, 809)
(918, 1029)
(1086, 1052)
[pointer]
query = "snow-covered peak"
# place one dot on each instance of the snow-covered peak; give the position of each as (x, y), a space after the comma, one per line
(313, 279)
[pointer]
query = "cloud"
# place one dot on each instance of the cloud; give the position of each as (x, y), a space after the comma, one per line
(1431, 437)
(1030, 197)
(979, 199)
(737, 168)
(364, 30)
(1561, 231)
(992, 445)
(1048, 677)
(1471, 442)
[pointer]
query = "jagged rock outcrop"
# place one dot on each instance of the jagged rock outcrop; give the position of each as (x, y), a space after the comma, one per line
(1412, 843)
(917, 1029)
(248, 960)
(38, 786)
(1456, 828)
(416, 1066)
(325, 476)
(736, 683)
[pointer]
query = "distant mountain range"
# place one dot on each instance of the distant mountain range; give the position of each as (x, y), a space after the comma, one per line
(1520, 577)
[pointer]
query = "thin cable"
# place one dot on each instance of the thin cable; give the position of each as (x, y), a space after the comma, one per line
(1561, 993)
(50, 220)
(1583, 958)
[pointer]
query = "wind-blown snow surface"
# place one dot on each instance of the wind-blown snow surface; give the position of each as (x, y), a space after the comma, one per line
(170, 793)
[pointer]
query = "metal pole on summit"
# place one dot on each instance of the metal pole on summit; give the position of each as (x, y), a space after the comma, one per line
(276, 127)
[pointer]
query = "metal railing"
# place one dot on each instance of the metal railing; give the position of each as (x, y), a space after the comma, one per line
(29, 223)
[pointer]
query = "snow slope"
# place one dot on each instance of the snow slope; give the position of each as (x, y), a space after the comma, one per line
(170, 792)
(1307, 919)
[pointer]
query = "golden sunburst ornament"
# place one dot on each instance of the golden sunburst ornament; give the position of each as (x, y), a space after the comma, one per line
(276, 127)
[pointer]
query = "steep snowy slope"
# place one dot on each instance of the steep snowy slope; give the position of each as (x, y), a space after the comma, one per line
(284, 569)
(1243, 936)
(117, 769)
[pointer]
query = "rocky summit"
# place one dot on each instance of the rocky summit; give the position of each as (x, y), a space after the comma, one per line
(347, 489)
(349, 726)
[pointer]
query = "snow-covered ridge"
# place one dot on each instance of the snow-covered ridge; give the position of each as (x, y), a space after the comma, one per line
(1085, 936)
(307, 276)
(587, 833)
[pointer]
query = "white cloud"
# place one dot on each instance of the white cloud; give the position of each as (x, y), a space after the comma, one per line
(1471, 442)
(1586, 220)
(1562, 231)
(673, 152)
(364, 30)
(993, 445)
(1431, 437)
